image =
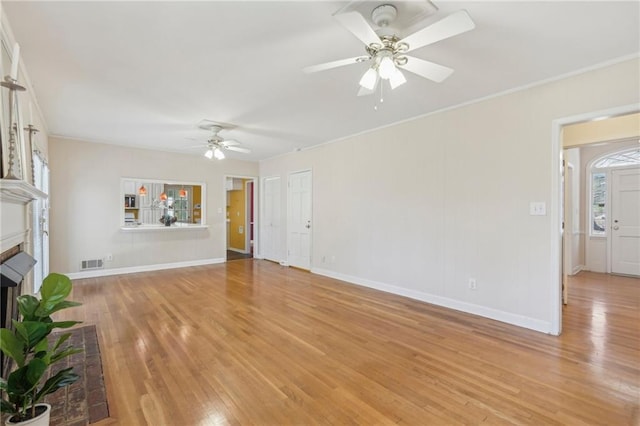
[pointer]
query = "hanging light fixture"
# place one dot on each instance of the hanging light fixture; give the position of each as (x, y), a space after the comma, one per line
(386, 67)
(182, 193)
(209, 154)
(163, 197)
(397, 79)
(142, 191)
(368, 80)
(218, 154)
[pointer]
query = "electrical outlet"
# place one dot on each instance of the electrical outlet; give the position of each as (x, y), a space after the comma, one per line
(472, 284)
(109, 257)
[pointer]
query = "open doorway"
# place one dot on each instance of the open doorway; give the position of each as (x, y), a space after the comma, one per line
(580, 140)
(240, 217)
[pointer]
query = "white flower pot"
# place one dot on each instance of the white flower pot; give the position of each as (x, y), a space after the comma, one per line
(41, 420)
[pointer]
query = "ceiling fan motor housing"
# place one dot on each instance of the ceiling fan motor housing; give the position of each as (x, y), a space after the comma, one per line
(383, 15)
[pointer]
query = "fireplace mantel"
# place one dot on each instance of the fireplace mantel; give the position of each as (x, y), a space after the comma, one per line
(19, 191)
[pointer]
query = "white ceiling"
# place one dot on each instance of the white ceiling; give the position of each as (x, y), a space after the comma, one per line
(145, 73)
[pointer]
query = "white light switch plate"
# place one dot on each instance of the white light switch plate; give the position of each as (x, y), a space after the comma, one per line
(537, 208)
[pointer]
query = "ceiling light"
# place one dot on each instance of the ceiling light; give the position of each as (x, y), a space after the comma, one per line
(218, 154)
(209, 154)
(397, 79)
(368, 80)
(142, 191)
(386, 67)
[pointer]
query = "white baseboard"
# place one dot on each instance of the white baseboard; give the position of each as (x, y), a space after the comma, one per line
(483, 311)
(577, 269)
(143, 268)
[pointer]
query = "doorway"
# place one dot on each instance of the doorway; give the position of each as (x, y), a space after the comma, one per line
(240, 203)
(557, 204)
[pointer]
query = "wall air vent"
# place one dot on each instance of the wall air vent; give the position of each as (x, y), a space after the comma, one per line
(91, 264)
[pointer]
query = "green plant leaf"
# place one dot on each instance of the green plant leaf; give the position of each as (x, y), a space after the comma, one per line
(12, 346)
(63, 338)
(27, 305)
(31, 332)
(63, 324)
(42, 346)
(65, 353)
(18, 383)
(35, 370)
(63, 305)
(61, 379)
(55, 288)
(7, 407)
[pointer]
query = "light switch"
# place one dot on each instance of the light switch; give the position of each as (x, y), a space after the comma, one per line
(537, 208)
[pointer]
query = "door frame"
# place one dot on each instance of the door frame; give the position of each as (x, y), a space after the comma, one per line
(556, 201)
(254, 179)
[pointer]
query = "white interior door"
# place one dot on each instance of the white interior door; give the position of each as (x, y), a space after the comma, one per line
(625, 221)
(299, 220)
(270, 219)
(40, 223)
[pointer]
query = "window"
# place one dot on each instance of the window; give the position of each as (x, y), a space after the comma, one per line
(599, 173)
(598, 203)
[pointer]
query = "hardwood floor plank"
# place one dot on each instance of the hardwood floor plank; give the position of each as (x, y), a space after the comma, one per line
(253, 343)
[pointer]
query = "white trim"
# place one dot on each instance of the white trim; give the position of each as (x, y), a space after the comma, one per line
(557, 149)
(143, 268)
(13, 239)
(483, 311)
(19, 191)
(577, 269)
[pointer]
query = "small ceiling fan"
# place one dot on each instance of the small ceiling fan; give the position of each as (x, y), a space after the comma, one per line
(387, 51)
(217, 144)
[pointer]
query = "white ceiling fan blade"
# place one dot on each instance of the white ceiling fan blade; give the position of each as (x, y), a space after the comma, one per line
(335, 64)
(359, 27)
(238, 149)
(427, 69)
(454, 24)
(229, 142)
(366, 92)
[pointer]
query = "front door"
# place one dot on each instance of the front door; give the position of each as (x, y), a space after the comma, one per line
(299, 220)
(625, 221)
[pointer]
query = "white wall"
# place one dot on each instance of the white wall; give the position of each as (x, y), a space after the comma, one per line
(86, 206)
(420, 207)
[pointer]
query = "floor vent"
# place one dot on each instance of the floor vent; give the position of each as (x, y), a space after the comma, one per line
(91, 264)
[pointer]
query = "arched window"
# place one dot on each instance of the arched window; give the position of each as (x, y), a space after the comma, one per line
(599, 177)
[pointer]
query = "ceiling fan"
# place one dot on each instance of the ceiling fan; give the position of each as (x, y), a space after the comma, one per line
(217, 144)
(387, 51)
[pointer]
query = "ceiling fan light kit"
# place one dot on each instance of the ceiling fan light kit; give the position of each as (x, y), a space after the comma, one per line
(216, 144)
(388, 52)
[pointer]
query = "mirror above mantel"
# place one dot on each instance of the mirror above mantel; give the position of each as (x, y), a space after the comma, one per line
(151, 204)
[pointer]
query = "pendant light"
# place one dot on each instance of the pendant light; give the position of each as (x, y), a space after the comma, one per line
(183, 193)
(142, 191)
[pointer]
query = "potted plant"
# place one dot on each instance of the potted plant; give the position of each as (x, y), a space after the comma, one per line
(32, 355)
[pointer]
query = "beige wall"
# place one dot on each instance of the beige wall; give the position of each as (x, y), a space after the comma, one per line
(86, 205)
(616, 128)
(420, 207)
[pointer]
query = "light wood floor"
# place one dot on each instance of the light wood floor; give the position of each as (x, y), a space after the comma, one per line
(251, 342)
